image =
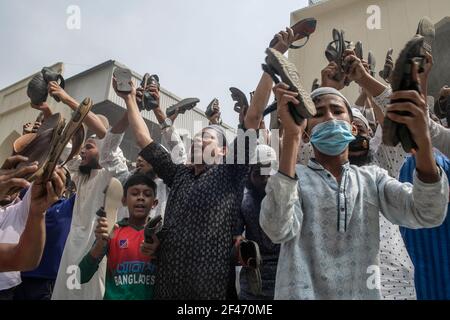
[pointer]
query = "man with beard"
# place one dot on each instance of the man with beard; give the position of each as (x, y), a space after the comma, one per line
(99, 161)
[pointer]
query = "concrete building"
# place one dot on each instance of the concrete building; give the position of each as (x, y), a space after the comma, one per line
(95, 83)
(399, 20)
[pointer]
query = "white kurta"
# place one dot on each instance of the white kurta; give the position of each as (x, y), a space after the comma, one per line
(89, 199)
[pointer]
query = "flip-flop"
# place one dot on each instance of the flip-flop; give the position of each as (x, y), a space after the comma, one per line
(182, 106)
(385, 74)
(112, 202)
(427, 30)
(239, 97)
(152, 227)
(393, 132)
(304, 28)
(278, 65)
(210, 108)
(37, 89)
(123, 78)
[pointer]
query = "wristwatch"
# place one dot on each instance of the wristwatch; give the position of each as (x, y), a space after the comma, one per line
(166, 123)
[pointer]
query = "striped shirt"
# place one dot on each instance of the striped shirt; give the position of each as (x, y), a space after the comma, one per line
(429, 249)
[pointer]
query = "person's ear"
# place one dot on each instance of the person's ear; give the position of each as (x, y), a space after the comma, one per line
(155, 203)
(354, 130)
(124, 201)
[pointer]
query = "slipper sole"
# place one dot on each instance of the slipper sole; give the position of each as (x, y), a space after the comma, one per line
(289, 75)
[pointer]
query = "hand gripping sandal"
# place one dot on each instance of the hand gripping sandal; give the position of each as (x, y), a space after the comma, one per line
(112, 202)
(47, 145)
(182, 106)
(154, 226)
(148, 102)
(427, 30)
(402, 79)
(302, 29)
(37, 89)
(246, 253)
(385, 74)
(335, 52)
(278, 65)
(239, 97)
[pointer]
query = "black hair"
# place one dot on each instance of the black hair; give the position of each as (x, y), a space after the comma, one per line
(137, 179)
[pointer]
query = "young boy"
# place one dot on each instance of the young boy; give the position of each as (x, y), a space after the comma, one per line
(326, 215)
(131, 268)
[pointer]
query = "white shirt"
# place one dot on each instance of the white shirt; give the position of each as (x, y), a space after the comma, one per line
(89, 199)
(12, 223)
(330, 233)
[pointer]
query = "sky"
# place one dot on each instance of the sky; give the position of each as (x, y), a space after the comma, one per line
(199, 48)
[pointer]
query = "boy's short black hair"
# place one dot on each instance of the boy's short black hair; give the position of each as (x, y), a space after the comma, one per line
(137, 179)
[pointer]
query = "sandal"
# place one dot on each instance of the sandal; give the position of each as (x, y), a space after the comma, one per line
(148, 102)
(335, 52)
(385, 74)
(154, 226)
(372, 62)
(315, 85)
(210, 108)
(359, 50)
(182, 106)
(303, 29)
(393, 132)
(123, 78)
(427, 30)
(277, 64)
(37, 89)
(239, 97)
(111, 203)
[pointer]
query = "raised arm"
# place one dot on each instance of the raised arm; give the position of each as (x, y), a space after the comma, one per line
(281, 214)
(261, 95)
(137, 123)
(91, 120)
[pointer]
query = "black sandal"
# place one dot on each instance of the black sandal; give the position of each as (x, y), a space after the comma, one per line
(278, 65)
(182, 106)
(402, 79)
(303, 28)
(239, 97)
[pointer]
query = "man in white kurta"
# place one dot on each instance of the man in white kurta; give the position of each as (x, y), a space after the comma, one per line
(89, 199)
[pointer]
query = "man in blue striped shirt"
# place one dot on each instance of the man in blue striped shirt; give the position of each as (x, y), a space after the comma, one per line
(429, 249)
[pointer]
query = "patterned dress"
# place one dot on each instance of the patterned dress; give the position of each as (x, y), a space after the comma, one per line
(194, 259)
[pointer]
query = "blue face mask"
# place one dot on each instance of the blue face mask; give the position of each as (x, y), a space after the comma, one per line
(332, 137)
